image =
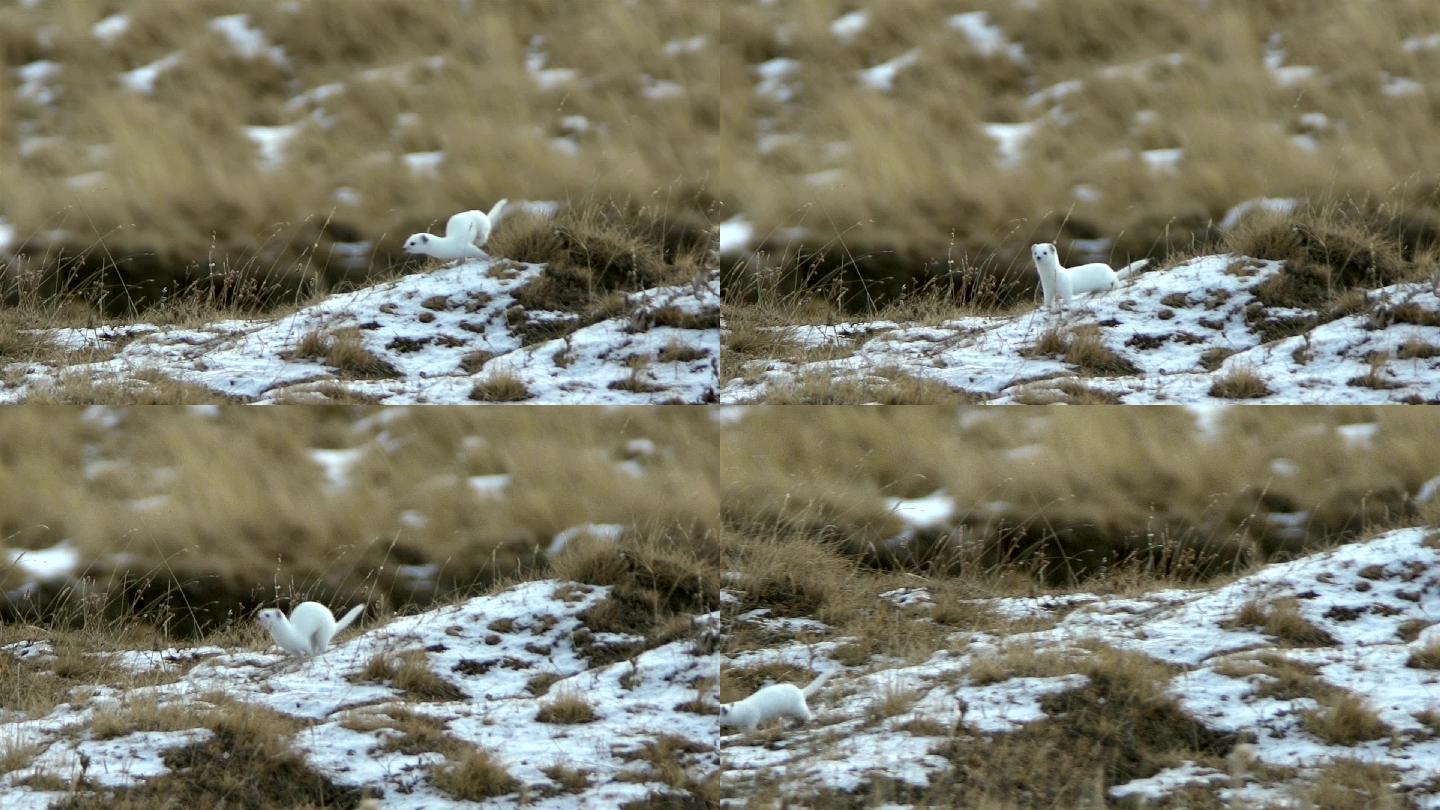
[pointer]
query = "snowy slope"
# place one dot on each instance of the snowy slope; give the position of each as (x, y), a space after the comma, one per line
(1372, 598)
(1162, 323)
(489, 647)
(422, 326)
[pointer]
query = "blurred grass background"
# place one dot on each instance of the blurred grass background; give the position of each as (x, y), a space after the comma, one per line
(191, 517)
(1080, 497)
(1150, 121)
(151, 158)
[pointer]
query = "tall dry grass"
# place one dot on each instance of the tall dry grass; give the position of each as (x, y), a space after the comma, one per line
(1078, 496)
(921, 185)
(184, 207)
(193, 516)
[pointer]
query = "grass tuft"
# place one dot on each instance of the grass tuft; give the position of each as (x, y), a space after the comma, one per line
(567, 709)
(1240, 383)
(411, 673)
(500, 386)
(1427, 657)
(1344, 719)
(474, 776)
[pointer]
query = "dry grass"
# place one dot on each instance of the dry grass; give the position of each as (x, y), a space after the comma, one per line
(666, 760)
(500, 386)
(475, 776)
(1375, 376)
(222, 769)
(410, 672)
(234, 512)
(1088, 352)
(810, 528)
(1430, 718)
(1018, 661)
(1052, 343)
(657, 586)
(1083, 348)
(1240, 383)
(1284, 622)
(596, 251)
(567, 709)
(1427, 657)
(569, 779)
(1348, 784)
(888, 386)
(1344, 719)
(197, 223)
(15, 755)
(901, 191)
(143, 387)
(418, 734)
(77, 628)
(1415, 348)
(144, 714)
(1153, 499)
(346, 352)
(635, 382)
(1119, 727)
(1287, 679)
(1281, 619)
(677, 351)
(892, 701)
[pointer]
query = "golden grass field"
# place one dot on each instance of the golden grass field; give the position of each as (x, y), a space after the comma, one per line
(162, 196)
(190, 518)
(862, 198)
(1056, 499)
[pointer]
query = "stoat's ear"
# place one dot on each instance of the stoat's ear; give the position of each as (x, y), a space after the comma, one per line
(425, 238)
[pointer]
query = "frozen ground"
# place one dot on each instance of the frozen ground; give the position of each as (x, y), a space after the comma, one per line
(493, 649)
(1172, 326)
(1377, 600)
(436, 334)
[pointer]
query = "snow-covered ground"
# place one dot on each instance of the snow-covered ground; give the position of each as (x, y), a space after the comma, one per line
(1377, 600)
(492, 648)
(422, 326)
(1162, 322)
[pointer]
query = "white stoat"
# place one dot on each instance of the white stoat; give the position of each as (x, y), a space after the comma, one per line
(776, 700)
(308, 630)
(1064, 283)
(465, 233)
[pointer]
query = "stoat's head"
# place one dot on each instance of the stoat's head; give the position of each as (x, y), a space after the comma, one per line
(724, 715)
(417, 243)
(270, 616)
(1042, 251)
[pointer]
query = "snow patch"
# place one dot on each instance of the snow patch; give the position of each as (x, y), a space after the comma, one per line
(881, 77)
(111, 28)
(986, 38)
(848, 26)
(245, 40)
(143, 78)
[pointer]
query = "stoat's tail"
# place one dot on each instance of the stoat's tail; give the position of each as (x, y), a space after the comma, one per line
(348, 618)
(495, 211)
(1131, 269)
(817, 683)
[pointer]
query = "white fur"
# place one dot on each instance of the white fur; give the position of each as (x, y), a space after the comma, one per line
(465, 234)
(1062, 284)
(769, 702)
(308, 630)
